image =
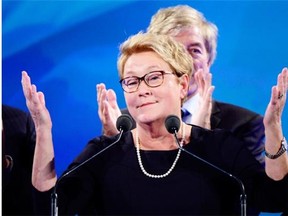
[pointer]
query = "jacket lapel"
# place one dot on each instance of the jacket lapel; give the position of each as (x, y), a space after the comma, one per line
(215, 115)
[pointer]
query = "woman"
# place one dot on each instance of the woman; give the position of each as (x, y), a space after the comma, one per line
(146, 173)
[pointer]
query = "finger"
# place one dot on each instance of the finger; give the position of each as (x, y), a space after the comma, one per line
(41, 98)
(34, 95)
(274, 96)
(106, 118)
(285, 79)
(210, 91)
(208, 80)
(99, 88)
(206, 84)
(101, 101)
(112, 98)
(199, 81)
(280, 85)
(26, 85)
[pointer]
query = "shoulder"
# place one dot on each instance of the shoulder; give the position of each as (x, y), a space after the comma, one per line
(225, 115)
(17, 121)
(221, 144)
(12, 112)
(102, 142)
(231, 108)
(208, 143)
(203, 134)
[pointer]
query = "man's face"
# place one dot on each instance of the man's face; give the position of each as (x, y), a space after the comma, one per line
(192, 39)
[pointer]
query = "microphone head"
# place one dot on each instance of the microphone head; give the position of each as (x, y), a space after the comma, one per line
(172, 124)
(124, 123)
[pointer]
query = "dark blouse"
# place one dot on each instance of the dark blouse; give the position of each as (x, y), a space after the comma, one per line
(113, 183)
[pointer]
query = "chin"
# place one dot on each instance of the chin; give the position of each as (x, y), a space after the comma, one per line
(146, 118)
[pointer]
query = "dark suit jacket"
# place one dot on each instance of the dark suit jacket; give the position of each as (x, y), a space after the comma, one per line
(245, 124)
(18, 141)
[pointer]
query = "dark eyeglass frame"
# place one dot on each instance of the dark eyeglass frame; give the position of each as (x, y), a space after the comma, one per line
(143, 78)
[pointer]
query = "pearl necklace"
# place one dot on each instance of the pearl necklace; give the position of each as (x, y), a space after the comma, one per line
(173, 165)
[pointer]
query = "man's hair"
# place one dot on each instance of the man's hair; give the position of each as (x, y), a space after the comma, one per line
(172, 19)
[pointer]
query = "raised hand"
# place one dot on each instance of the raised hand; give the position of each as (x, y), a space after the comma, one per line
(35, 102)
(108, 109)
(43, 173)
(276, 168)
(275, 107)
(205, 90)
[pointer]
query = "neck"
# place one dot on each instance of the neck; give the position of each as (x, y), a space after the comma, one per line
(158, 140)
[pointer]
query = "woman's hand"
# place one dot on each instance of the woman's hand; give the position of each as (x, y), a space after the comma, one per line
(108, 109)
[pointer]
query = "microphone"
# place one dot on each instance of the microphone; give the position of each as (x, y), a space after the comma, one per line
(123, 124)
(172, 124)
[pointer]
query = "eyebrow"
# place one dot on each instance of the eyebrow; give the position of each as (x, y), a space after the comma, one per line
(197, 44)
(148, 70)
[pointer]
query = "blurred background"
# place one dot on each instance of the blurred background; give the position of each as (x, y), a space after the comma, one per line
(69, 46)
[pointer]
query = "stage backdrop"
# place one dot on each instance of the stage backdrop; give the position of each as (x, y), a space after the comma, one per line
(68, 47)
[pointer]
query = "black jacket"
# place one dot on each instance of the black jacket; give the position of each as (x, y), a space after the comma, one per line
(18, 141)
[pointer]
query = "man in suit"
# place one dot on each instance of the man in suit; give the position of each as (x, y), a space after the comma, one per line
(199, 36)
(18, 143)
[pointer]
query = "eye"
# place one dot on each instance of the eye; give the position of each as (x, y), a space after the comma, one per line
(194, 51)
(130, 82)
(154, 77)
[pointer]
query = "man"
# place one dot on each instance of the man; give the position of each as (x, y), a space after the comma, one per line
(199, 36)
(18, 144)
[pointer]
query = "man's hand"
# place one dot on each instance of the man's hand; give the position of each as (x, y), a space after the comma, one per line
(205, 90)
(44, 174)
(275, 107)
(276, 168)
(35, 102)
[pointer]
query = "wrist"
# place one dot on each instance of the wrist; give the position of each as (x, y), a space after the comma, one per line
(281, 150)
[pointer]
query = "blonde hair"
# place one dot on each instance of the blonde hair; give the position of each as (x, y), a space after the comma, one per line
(172, 19)
(165, 46)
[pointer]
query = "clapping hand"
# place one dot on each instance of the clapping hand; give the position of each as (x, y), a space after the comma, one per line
(35, 102)
(275, 107)
(44, 174)
(108, 109)
(276, 168)
(205, 90)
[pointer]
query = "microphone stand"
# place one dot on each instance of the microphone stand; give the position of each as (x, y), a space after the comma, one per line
(243, 196)
(54, 207)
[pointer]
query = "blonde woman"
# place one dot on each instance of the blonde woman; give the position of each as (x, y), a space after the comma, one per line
(146, 173)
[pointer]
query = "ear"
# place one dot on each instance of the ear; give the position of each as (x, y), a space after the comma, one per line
(184, 84)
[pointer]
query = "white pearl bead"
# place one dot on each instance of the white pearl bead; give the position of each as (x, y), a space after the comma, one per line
(173, 165)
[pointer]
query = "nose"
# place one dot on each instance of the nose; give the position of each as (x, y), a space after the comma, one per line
(143, 88)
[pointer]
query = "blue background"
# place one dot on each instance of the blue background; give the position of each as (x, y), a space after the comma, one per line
(68, 47)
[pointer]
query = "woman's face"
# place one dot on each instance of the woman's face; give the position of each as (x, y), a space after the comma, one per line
(148, 104)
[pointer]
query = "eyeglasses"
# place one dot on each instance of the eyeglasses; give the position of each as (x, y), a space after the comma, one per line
(152, 79)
